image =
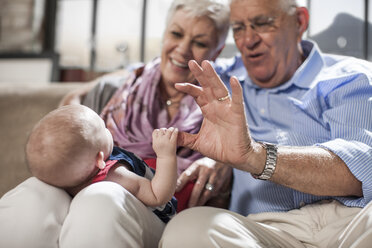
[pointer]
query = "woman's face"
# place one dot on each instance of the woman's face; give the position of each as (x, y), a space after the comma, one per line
(186, 38)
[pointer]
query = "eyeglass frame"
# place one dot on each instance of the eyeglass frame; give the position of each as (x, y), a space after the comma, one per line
(260, 24)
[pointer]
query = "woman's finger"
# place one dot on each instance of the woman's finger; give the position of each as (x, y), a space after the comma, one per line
(215, 181)
(188, 175)
(197, 190)
(209, 191)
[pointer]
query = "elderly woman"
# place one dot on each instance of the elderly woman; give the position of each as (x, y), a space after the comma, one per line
(146, 98)
(105, 214)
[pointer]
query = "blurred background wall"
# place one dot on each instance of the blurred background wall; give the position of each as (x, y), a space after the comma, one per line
(77, 40)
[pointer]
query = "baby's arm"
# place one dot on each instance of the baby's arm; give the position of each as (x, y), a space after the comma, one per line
(161, 188)
(164, 143)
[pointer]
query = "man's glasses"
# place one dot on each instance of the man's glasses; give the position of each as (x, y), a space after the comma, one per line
(261, 25)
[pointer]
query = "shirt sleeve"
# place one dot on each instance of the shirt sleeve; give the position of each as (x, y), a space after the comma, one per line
(348, 114)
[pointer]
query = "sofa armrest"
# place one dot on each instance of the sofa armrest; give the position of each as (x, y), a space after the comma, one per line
(21, 106)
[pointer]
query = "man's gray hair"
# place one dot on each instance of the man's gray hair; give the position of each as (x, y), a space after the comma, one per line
(286, 5)
(218, 11)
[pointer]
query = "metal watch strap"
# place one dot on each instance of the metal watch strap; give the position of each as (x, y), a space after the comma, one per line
(271, 154)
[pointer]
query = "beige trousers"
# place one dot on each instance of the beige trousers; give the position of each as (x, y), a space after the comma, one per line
(37, 215)
(326, 224)
(105, 214)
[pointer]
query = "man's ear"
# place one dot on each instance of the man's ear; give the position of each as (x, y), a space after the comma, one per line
(100, 160)
(302, 20)
(218, 53)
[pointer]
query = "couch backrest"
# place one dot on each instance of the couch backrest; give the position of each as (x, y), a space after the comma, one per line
(21, 106)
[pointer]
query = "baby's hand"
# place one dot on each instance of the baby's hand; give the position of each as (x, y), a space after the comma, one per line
(164, 141)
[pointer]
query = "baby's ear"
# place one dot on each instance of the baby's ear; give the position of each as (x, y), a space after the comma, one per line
(100, 162)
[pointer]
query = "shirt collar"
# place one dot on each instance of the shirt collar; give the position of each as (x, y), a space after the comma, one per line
(236, 68)
(310, 68)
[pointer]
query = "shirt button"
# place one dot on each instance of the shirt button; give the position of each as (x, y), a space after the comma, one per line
(302, 204)
(262, 111)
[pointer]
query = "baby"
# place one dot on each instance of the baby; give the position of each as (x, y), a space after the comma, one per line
(71, 148)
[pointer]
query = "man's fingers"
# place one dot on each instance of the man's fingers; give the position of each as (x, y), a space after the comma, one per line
(236, 91)
(195, 69)
(190, 89)
(174, 133)
(186, 139)
(214, 82)
(207, 77)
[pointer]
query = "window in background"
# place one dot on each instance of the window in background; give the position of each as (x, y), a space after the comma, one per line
(230, 49)
(338, 26)
(21, 29)
(156, 13)
(118, 35)
(73, 33)
(155, 25)
(26, 41)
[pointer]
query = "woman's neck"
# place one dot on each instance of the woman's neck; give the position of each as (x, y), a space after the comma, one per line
(169, 94)
(171, 98)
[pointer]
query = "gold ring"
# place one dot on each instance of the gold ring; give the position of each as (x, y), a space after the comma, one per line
(224, 98)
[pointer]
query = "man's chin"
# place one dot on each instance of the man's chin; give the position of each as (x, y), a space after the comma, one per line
(261, 80)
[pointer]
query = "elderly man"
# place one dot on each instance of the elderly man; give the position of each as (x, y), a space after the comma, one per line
(311, 186)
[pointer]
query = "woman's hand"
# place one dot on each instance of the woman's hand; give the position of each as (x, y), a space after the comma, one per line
(204, 172)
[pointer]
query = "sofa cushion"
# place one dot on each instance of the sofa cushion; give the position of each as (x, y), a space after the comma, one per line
(21, 106)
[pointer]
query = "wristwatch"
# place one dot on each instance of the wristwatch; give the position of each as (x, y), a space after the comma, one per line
(270, 165)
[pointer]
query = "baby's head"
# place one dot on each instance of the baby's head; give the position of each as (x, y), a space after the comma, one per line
(66, 146)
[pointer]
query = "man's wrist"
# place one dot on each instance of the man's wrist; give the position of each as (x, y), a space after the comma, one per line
(255, 162)
(270, 163)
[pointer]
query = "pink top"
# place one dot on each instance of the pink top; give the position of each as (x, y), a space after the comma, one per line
(137, 108)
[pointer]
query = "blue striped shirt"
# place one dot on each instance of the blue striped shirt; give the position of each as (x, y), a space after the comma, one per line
(327, 103)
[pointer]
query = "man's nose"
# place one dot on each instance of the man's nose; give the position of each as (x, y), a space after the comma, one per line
(251, 37)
